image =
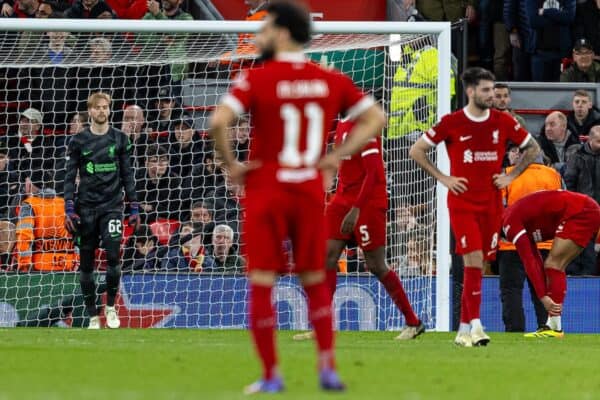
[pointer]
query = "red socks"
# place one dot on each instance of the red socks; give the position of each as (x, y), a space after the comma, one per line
(319, 314)
(393, 286)
(471, 297)
(262, 326)
(557, 285)
(331, 280)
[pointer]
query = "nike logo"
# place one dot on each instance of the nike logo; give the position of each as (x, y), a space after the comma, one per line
(86, 153)
(476, 293)
(463, 138)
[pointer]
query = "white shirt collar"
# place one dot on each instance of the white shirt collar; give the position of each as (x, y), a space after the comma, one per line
(473, 118)
(291, 56)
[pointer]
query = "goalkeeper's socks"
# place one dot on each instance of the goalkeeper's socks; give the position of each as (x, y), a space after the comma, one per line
(393, 286)
(331, 280)
(557, 285)
(262, 327)
(319, 314)
(472, 291)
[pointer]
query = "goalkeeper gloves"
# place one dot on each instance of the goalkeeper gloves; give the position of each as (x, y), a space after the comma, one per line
(72, 220)
(134, 216)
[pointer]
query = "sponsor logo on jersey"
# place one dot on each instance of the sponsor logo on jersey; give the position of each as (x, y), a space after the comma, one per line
(302, 89)
(464, 138)
(86, 153)
(468, 157)
(463, 242)
(431, 132)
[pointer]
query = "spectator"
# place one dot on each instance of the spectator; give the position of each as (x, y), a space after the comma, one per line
(256, 12)
(163, 124)
(583, 175)
(587, 23)
(551, 20)
(206, 177)
(417, 259)
(521, 36)
(45, 10)
(222, 256)
(129, 9)
(132, 125)
(186, 250)
(88, 9)
(494, 45)
(202, 219)
(79, 122)
(447, 10)
(30, 149)
(403, 11)
(502, 102)
(42, 242)
(188, 150)
(240, 135)
(175, 44)
(101, 74)
(158, 189)
(19, 9)
(512, 273)
(7, 242)
(142, 251)
(50, 87)
(583, 168)
(227, 205)
(9, 183)
(584, 68)
(555, 139)
(584, 116)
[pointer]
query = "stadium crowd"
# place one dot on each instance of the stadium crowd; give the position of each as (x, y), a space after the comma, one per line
(190, 210)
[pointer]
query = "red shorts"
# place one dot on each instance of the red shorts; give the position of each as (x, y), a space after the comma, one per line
(476, 231)
(370, 230)
(274, 215)
(583, 226)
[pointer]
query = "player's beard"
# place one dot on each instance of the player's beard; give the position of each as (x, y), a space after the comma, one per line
(100, 120)
(266, 55)
(481, 103)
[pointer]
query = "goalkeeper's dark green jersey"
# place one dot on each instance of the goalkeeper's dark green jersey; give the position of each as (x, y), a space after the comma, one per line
(104, 166)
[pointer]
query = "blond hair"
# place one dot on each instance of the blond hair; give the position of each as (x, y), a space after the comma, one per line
(95, 97)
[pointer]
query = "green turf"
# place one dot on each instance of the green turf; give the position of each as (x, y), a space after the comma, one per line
(197, 364)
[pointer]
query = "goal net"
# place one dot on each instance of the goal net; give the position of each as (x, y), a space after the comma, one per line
(184, 267)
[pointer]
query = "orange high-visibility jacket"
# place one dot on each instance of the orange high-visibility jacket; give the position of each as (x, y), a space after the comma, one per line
(535, 178)
(42, 242)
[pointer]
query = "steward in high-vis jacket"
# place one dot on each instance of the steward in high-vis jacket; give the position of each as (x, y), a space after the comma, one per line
(42, 242)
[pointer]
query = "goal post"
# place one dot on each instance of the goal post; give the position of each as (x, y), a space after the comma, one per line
(193, 63)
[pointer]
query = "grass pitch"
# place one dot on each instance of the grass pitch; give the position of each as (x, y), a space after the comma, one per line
(198, 364)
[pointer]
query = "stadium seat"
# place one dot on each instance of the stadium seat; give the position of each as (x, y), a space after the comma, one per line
(163, 229)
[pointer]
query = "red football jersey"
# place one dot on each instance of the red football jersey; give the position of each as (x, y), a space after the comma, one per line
(476, 148)
(293, 104)
(541, 213)
(352, 173)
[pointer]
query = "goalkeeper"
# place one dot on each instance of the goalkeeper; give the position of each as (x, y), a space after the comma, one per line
(101, 156)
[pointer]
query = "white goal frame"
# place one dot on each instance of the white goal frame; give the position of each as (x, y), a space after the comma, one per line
(441, 29)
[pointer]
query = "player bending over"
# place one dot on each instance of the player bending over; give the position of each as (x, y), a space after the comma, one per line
(571, 219)
(357, 215)
(101, 156)
(293, 104)
(476, 138)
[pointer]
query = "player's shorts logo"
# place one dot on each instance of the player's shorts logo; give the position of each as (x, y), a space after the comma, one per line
(463, 242)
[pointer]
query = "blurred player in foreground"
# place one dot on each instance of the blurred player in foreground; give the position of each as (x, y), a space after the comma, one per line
(293, 104)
